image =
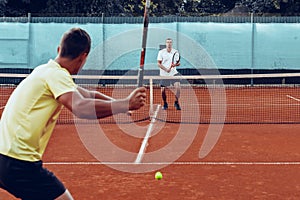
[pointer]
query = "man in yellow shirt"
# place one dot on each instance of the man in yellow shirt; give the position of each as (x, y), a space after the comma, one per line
(31, 113)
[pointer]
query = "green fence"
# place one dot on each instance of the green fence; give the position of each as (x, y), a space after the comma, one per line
(225, 43)
(168, 19)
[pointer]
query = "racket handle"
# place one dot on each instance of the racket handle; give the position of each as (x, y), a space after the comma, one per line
(140, 77)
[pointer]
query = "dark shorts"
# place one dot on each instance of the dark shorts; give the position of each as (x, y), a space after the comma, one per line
(169, 82)
(28, 180)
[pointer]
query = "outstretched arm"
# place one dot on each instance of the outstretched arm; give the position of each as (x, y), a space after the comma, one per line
(93, 94)
(85, 106)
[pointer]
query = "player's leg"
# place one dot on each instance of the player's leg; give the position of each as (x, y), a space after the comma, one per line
(164, 97)
(163, 84)
(177, 95)
(29, 180)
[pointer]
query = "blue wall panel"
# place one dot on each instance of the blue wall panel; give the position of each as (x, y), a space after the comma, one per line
(117, 46)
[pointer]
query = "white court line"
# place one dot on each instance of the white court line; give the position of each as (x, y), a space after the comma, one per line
(291, 97)
(176, 163)
(146, 138)
(247, 104)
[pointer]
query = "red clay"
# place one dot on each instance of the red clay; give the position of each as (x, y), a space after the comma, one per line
(238, 143)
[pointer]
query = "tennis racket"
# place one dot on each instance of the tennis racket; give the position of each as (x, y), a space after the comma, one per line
(140, 79)
(176, 58)
(144, 42)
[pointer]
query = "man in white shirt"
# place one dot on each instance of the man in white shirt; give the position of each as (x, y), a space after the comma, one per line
(168, 68)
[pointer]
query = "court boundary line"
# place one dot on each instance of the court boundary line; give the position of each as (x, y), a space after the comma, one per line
(265, 163)
(146, 138)
(291, 97)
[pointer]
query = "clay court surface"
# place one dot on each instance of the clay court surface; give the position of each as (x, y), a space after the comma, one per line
(257, 155)
(248, 162)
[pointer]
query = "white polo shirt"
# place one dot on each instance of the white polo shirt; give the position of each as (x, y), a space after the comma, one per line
(166, 58)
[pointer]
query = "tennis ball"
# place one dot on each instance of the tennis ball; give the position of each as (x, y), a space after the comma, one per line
(158, 175)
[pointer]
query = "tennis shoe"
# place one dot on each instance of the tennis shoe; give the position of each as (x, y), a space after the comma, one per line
(177, 106)
(165, 107)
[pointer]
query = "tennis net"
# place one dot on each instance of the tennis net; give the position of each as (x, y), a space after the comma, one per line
(246, 98)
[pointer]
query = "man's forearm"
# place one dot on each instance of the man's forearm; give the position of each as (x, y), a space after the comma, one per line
(96, 108)
(99, 95)
(162, 67)
(93, 94)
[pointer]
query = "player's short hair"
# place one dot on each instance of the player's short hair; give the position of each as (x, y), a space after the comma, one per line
(75, 42)
(169, 39)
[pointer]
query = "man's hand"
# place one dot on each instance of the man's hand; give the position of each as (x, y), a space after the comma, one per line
(137, 98)
(174, 65)
(169, 69)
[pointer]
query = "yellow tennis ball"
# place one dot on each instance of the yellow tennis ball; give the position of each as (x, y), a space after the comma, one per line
(158, 175)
